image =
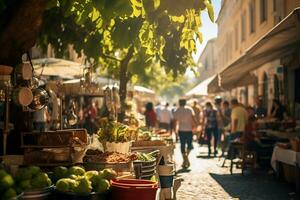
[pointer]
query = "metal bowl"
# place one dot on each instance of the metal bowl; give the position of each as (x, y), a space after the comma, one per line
(40, 99)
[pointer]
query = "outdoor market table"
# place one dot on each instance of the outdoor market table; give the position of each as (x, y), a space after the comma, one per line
(281, 134)
(289, 157)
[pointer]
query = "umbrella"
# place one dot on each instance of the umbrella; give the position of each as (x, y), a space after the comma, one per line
(57, 67)
(138, 88)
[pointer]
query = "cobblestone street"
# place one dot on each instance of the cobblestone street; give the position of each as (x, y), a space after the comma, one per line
(207, 180)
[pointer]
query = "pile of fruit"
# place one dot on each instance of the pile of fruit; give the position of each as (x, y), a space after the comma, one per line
(146, 157)
(7, 186)
(111, 131)
(26, 179)
(77, 181)
(31, 178)
(144, 134)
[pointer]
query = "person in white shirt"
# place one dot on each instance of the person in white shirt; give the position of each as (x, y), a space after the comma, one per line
(185, 118)
(165, 118)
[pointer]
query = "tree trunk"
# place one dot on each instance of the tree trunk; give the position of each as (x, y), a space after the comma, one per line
(123, 82)
(20, 24)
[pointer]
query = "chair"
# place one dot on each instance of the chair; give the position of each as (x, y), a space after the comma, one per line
(244, 159)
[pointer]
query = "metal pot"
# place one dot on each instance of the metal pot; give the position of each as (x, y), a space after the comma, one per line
(24, 71)
(72, 118)
(22, 96)
(40, 99)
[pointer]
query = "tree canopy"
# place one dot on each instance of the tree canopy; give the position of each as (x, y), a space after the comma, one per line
(158, 30)
(126, 37)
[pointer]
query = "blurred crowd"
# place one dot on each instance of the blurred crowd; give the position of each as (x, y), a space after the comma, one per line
(216, 123)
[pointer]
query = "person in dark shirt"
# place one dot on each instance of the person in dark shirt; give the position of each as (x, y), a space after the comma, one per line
(278, 111)
(226, 113)
(260, 111)
(211, 126)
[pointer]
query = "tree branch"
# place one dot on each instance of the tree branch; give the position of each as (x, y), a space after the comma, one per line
(110, 57)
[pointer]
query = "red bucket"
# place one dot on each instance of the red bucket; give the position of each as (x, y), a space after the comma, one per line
(133, 189)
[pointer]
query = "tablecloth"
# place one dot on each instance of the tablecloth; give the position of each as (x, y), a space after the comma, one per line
(287, 156)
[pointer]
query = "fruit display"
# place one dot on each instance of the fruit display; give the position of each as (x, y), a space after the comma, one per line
(7, 186)
(110, 157)
(144, 157)
(144, 134)
(31, 178)
(81, 182)
(111, 131)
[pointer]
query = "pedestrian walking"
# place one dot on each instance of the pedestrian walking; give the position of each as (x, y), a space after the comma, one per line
(220, 118)
(150, 115)
(211, 127)
(165, 118)
(227, 122)
(197, 111)
(185, 118)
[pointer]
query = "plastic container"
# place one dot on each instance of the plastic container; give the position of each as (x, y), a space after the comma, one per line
(166, 181)
(145, 169)
(133, 189)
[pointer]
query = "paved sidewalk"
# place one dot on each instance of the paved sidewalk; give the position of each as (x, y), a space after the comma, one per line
(207, 180)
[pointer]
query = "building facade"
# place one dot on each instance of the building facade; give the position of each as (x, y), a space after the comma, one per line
(241, 23)
(207, 61)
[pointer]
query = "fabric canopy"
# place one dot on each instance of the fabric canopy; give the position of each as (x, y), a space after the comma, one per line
(200, 89)
(57, 67)
(282, 40)
(138, 88)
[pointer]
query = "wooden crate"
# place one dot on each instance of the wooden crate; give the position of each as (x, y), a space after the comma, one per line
(52, 139)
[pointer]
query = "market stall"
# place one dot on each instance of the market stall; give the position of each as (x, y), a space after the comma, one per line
(284, 137)
(68, 162)
(286, 163)
(72, 164)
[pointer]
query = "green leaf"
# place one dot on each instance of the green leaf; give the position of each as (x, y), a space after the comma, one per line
(137, 3)
(156, 4)
(210, 10)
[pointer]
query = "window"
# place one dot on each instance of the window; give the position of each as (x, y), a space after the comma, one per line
(274, 5)
(263, 11)
(206, 64)
(236, 30)
(276, 87)
(278, 10)
(265, 91)
(243, 27)
(252, 16)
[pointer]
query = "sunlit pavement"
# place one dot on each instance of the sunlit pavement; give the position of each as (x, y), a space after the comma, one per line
(206, 180)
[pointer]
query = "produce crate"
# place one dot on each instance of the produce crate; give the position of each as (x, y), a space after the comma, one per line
(63, 147)
(59, 138)
(145, 169)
